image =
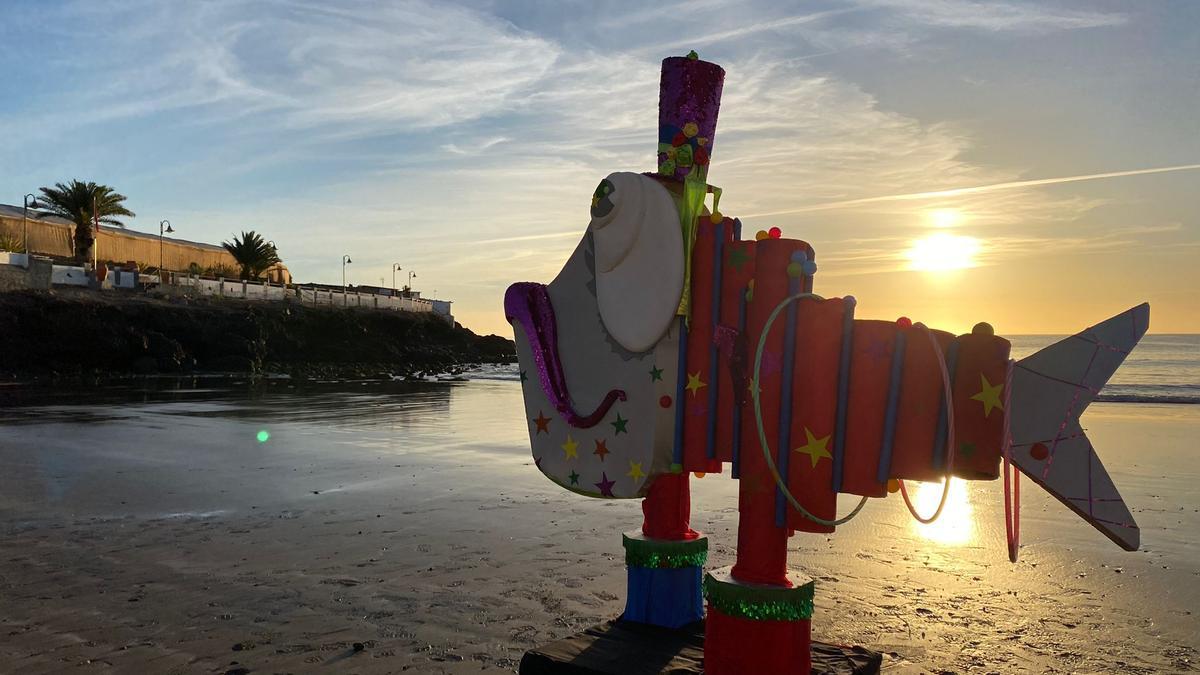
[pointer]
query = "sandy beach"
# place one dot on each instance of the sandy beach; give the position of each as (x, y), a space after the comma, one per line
(151, 531)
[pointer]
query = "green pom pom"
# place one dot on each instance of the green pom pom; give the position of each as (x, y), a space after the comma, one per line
(693, 55)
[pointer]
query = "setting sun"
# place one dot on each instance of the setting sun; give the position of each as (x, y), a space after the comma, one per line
(942, 252)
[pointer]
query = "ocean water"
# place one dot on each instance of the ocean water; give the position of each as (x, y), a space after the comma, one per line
(1164, 368)
(1161, 369)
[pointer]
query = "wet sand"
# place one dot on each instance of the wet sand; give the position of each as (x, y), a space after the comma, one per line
(151, 532)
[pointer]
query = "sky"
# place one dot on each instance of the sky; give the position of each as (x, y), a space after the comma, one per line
(1033, 165)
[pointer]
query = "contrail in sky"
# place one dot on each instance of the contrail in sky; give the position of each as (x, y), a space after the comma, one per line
(978, 189)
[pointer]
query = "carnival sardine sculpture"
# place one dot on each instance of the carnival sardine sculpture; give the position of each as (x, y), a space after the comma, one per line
(669, 345)
(645, 356)
(620, 389)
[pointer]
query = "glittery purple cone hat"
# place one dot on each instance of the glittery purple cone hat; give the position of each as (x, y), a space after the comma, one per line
(688, 101)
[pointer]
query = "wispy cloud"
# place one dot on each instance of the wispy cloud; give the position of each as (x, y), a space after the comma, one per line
(465, 141)
(978, 189)
(996, 16)
(750, 29)
(362, 66)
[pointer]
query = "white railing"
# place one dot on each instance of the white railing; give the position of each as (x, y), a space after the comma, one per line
(254, 290)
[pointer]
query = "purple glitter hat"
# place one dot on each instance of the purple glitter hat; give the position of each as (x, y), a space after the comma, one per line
(688, 101)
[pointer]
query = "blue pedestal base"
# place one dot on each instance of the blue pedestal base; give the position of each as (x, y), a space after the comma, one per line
(667, 597)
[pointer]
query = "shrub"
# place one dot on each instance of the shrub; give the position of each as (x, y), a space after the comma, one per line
(10, 242)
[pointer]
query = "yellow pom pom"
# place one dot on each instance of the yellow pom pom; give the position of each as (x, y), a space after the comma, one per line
(760, 235)
(716, 217)
(690, 129)
(698, 474)
(893, 485)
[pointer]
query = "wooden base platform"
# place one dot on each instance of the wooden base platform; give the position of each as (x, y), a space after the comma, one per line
(626, 648)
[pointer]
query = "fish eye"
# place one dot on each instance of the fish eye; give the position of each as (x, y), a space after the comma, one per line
(602, 203)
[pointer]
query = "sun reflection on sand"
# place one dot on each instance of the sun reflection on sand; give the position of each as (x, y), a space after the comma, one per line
(955, 526)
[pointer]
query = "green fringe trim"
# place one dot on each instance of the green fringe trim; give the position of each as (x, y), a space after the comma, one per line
(694, 192)
(760, 603)
(669, 554)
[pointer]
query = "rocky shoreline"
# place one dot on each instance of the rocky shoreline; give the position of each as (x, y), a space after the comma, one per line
(80, 334)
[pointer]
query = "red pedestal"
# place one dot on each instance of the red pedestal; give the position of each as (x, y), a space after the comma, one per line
(667, 509)
(736, 646)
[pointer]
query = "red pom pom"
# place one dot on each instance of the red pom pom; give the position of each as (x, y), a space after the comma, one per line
(665, 401)
(904, 322)
(775, 232)
(679, 139)
(701, 156)
(1039, 451)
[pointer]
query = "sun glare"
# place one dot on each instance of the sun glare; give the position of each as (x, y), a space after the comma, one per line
(945, 217)
(955, 526)
(941, 252)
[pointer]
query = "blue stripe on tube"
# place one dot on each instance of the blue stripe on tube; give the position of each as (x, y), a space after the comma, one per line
(939, 441)
(843, 395)
(893, 402)
(736, 470)
(714, 380)
(783, 447)
(680, 381)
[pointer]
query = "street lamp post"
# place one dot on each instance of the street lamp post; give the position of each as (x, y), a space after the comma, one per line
(168, 230)
(275, 251)
(410, 278)
(395, 268)
(345, 261)
(30, 202)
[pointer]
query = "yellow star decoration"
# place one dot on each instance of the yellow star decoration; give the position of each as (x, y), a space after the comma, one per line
(569, 447)
(989, 395)
(694, 383)
(814, 448)
(635, 471)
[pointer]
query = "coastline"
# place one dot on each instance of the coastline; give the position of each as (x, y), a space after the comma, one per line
(88, 337)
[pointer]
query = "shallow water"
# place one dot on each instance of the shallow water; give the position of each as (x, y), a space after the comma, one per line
(173, 484)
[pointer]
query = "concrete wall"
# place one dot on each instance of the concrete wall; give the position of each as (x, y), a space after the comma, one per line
(44, 237)
(114, 244)
(40, 272)
(36, 274)
(12, 278)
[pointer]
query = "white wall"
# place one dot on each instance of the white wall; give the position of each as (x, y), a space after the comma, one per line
(249, 290)
(18, 259)
(62, 275)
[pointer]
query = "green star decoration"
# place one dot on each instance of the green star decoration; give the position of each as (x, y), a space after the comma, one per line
(655, 374)
(574, 478)
(524, 376)
(737, 258)
(966, 449)
(619, 425)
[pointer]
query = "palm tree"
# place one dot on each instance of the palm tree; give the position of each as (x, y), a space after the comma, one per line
(75, 202)
(253, 253)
